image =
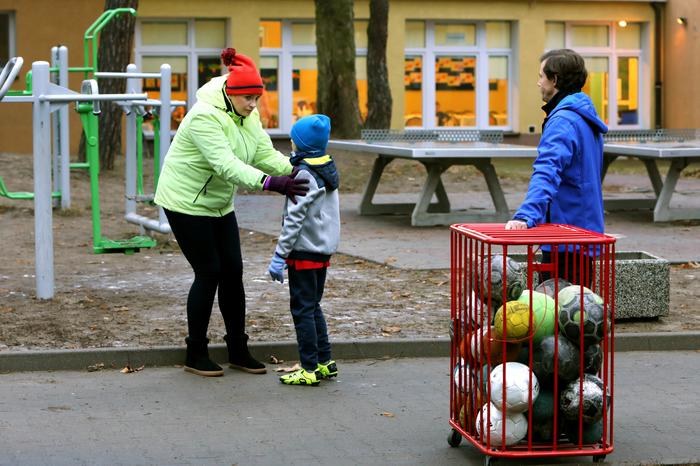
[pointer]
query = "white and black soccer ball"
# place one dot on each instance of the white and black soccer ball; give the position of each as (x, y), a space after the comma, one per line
(515, 387)
(593, 397)
(491, 429)
(494, 276)
(570, 310)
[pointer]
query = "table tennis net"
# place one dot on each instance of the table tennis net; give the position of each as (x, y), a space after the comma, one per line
(437, 135)
(652, 135)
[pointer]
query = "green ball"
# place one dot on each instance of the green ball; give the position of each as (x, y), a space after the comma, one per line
(544, 314)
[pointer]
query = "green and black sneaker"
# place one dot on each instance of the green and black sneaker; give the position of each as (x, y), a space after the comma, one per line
(327, 369)
(301, 377)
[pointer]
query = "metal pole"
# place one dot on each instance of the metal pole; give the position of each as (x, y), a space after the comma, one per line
(130, 169)
(43, 222)
(165, 119)
(56, 136)
(64, 133)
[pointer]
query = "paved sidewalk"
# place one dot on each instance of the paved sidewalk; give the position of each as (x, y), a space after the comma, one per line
(378, 412)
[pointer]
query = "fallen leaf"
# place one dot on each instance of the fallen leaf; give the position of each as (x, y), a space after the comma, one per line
(293, 368)
(391, 329)
(128, 369)
(95, 367)
(274, 360)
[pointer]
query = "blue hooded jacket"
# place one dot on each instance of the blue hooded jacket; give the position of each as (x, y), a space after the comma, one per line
(566, 179)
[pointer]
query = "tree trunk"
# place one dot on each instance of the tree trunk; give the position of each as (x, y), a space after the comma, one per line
(337, 85)
(114, 53)
(379, 101)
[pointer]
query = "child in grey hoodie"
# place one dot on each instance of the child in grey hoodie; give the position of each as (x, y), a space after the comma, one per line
(309, 237)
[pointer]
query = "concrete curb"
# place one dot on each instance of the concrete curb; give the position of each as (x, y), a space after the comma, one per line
(117, 358)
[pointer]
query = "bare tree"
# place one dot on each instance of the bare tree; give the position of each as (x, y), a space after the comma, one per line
(337, 85)
(114, 53)
(379, 101)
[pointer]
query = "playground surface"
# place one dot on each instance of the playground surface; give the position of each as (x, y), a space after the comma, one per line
(391, 280)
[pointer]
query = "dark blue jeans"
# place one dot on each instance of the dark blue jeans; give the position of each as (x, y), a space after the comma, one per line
(305, 293)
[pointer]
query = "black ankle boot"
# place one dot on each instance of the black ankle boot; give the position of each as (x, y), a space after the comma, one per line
(239, 357)
(197, 360)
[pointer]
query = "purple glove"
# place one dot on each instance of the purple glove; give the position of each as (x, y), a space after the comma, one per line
(286, 185)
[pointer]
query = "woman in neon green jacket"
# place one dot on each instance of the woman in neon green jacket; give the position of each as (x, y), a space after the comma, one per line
(219, 146)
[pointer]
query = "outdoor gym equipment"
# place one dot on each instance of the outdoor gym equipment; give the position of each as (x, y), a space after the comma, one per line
(59, 120)
(135, 111)
(46, 98)
(7, 77)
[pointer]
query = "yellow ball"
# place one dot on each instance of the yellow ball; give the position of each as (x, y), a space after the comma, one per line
(517, 321)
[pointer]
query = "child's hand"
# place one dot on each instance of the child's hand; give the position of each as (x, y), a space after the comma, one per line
(276, 268)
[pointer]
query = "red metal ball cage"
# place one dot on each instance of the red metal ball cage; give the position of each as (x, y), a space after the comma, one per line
(585, 258)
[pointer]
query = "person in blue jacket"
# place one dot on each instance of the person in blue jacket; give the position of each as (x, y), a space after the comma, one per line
(309, 237)
(566, 185)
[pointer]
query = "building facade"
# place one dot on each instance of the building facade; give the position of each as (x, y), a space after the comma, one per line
(452, 63)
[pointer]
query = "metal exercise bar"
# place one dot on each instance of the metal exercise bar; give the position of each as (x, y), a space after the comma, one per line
(442, 135)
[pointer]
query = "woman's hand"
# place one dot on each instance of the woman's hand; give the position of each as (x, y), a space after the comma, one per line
(286, 185)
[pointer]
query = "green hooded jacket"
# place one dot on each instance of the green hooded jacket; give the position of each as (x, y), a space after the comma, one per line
(213, 153)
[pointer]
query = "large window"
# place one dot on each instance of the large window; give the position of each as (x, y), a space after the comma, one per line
(289, 69)
(7, 37)
(192, 48)
(614, 56)
(457, 74)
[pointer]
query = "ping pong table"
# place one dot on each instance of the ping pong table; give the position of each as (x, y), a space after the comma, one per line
(437, 150)
(680, 147)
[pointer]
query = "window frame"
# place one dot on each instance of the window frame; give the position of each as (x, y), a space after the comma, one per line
(11, 34)
(481, 52)
(190, 51)
(613, 54)
(285, 56)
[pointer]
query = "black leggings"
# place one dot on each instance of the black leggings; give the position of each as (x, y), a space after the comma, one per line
(212, 246)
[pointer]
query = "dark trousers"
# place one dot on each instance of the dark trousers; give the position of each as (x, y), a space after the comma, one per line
(305, 293)
(212, 246)
(571, 265)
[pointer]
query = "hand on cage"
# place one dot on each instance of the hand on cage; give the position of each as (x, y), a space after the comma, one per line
(516, 225)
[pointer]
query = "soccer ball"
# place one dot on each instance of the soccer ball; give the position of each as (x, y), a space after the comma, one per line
(516, 387)
(592, 433)
(593, 359)
(482, 347)
(543, 415)
(491, 429)
(570, 315)
(543, 361)
(514, 276)
(460, 376)
(592, 389)
(473, 401)
(544, 313)
(551, 285)
(517, 324)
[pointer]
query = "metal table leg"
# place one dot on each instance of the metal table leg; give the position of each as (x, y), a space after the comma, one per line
(662, 210)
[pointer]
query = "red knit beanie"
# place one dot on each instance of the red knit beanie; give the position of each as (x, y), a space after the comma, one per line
(243, 76)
